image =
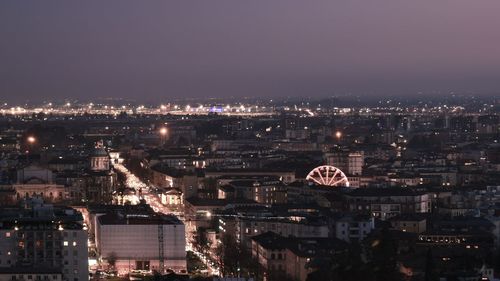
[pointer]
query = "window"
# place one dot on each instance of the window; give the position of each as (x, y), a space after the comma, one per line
(65, 243)
(30, 277)
(74, 243)
(7, 234)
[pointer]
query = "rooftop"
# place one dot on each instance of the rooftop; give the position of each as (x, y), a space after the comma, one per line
(117, 218)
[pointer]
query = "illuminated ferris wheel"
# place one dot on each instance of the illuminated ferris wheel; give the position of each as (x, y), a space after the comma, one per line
(328, 175)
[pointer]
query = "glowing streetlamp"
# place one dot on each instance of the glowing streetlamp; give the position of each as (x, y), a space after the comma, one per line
(163, 133)
(31, 139)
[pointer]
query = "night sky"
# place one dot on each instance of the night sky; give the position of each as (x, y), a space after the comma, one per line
(158, 50)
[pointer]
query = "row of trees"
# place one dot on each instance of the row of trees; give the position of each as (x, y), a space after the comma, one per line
(232, 258)
(375, 261)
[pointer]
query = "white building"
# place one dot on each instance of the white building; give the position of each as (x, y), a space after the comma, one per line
(354, 228)
(141, 241)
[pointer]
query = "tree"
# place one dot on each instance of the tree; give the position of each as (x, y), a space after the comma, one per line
(249, 266)
(430, 268)
(228, 255)
(200, 241)
(345, 265)
(384, 253)
(112, 260)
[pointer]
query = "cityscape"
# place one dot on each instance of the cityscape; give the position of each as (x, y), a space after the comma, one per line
(250, 141)
(284, 193)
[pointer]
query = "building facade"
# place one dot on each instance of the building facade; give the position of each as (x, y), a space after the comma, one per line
(43, 236)
(144, 241)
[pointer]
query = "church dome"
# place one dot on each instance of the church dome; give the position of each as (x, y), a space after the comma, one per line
(99, 152)
(99, 158)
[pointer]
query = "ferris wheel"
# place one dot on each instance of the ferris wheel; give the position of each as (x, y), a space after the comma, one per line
(328, 175)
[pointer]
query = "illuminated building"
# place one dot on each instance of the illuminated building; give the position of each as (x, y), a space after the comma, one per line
(141, 240)
(43, 236)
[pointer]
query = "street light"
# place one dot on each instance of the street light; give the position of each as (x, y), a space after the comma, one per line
(163, 131)
(163, 134)
(31, 139)
(338, 134)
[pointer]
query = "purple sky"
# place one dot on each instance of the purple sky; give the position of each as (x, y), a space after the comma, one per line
(156, 50)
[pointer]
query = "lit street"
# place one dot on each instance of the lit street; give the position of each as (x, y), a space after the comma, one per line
(154, 201)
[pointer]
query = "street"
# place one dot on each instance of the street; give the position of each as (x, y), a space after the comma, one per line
(154, 201)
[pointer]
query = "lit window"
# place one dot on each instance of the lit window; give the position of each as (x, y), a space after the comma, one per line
(74, 243)
(7, 234)
(65, 243)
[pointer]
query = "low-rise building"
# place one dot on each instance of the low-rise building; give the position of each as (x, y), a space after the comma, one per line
(384, 203)
(266, 192)
(354, 228)
(292, 257)
(414, 223)
(248, 227)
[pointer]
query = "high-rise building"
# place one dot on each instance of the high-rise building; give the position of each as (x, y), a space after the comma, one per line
(42, 236)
